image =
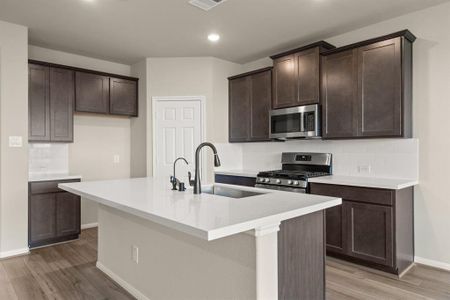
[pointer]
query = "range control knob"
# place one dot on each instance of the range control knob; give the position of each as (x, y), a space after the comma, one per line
(278, 181)
(261, 179)
(266, 180)
(296, 182)
(289, 182)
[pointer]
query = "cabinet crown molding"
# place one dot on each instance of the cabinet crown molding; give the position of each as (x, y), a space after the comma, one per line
(323, 46)
(403, 33)
(76, 69)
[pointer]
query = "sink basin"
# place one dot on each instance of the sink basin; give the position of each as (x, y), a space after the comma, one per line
(228, 192)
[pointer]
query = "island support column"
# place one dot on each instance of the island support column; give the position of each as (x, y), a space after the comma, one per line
(267, 262)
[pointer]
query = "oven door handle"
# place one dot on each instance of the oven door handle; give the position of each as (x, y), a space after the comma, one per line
(280, 188)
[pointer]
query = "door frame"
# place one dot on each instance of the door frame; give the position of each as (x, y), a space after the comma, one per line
(202, 100)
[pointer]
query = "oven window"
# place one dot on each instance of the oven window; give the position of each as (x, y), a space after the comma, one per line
(286, 123)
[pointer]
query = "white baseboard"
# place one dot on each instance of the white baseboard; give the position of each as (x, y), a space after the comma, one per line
(90, 225)
(128, 287)
(16, 252)
(432, 263)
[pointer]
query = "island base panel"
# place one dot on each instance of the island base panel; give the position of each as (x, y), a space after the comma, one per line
(174, 265)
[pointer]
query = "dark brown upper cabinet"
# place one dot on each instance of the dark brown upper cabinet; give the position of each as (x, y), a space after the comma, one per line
(239, 109)
(367, 88)
(339, 95)
(250, 97)
(296, 76)
(92, 93)
(62, 96)
(380, 89)
(51, 101)
(38, 103)
(123, 97)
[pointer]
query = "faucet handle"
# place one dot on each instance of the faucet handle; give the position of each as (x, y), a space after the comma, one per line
(191, 181)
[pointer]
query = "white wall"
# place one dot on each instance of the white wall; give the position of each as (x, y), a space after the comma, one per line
(97, 138)
(13, 122)
(192, 76)
(139, 124)
(431, 107)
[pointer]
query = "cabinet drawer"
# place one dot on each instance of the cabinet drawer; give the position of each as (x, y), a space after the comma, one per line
(48, 186)
(357, 194)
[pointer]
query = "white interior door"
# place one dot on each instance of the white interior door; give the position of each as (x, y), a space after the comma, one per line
(177, 133)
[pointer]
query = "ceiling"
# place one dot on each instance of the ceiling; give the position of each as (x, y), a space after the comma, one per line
(129, 30)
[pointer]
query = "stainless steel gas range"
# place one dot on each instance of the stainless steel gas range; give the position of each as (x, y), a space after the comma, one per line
(296, 168)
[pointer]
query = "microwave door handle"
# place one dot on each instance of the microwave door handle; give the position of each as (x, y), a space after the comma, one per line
(302, 122)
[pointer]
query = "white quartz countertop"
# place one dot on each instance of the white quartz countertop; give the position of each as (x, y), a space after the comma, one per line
(244, 173)
(382, 183)
(206, 216)
(51, 176)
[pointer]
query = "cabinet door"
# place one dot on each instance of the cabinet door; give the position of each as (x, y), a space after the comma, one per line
(67, 214)
(239, 109)
(62, 95)
(369, 232)
(335, 229)
(285, 87)
(261, 99)
(123, 97)
(308, 76)
(42, 212)
(380, 89)
(38, 103)
(91, 93)
(339, 95)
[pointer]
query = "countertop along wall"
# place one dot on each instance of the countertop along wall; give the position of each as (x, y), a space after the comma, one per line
(431, 123)
(97, 138)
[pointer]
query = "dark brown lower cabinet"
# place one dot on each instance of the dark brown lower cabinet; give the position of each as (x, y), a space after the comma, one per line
(53, 214)
(335, 229)
(67, 214)
(236, 180)
(373, 227)
(42, 221)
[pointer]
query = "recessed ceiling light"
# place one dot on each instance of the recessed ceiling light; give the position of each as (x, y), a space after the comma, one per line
(213, 37)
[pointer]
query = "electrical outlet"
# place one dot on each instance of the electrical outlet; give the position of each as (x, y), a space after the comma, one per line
(364, 169)
(116, 158)
(135, 254)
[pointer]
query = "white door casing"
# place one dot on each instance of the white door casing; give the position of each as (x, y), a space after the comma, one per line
(178, 128)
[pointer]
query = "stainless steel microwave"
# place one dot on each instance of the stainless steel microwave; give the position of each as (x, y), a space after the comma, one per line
(295, 122)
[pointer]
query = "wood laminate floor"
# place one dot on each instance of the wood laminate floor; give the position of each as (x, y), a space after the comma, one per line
(68, 271)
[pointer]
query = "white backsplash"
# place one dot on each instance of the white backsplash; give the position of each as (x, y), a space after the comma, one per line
(387, 158)
(230, 156)
(48, 158)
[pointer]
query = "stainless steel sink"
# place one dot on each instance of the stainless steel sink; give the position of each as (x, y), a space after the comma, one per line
(228, 192)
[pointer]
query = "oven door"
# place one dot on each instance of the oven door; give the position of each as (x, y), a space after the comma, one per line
(295, 122)
(281, 188)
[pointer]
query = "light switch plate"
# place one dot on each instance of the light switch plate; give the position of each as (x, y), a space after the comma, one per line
(15, 141)
(116, 158)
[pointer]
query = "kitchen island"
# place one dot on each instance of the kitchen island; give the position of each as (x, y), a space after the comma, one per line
(164, 244)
